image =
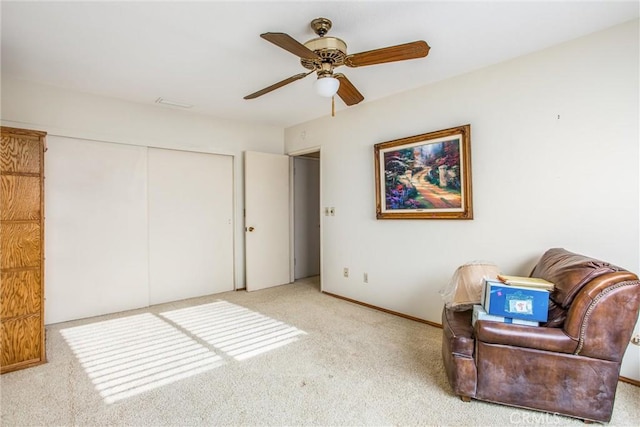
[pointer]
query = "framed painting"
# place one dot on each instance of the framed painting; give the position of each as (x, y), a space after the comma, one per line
(425, 176)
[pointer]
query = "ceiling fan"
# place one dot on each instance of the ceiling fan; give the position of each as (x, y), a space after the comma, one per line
(324, 54)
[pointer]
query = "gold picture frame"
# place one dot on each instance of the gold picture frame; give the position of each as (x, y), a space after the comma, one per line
(425, 176)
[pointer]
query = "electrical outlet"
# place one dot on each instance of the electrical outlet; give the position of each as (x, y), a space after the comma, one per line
(366, 278)
(345, 272)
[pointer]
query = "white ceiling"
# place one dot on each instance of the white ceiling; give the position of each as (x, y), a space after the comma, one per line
(209, 54)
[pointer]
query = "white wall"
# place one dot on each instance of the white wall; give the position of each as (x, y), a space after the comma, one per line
(78, 115)
(554, 145)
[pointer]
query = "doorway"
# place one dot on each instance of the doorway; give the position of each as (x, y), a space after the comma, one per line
(306, 217)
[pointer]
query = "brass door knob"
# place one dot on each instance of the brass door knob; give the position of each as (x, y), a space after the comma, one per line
(250, 229)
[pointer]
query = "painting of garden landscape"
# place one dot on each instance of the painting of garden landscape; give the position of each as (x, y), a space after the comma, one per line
(425, 176)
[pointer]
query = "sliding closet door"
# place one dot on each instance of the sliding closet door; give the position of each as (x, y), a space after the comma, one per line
(96, 228)
(190, 224)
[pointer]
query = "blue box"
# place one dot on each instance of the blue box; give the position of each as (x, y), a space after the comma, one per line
(517, 302)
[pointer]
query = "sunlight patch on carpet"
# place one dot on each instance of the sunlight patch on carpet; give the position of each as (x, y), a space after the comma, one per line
(234, 330)
(131, 355)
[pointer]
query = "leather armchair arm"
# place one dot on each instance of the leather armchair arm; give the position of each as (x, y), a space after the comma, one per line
(535, 337)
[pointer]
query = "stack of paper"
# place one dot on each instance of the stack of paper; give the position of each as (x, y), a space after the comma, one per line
(528, 282)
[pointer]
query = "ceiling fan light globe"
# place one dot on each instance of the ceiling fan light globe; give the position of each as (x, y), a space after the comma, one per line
(327, 86)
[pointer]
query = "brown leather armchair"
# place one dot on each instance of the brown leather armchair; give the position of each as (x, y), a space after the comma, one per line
(569, 365)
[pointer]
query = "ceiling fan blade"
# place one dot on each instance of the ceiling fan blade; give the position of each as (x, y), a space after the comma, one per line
(286, 42)
(278, 85)
(347, 91)
(401, 52)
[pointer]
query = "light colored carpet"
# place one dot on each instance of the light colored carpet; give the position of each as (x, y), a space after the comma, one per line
(307, 359)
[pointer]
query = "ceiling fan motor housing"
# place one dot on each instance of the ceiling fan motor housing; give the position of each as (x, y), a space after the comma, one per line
(330, 49)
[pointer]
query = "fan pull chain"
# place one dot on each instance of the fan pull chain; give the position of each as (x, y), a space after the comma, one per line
(333, 106)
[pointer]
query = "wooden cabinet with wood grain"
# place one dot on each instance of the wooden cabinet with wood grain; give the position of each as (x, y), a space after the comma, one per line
(21, 249)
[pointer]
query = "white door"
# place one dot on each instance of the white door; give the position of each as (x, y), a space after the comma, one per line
(96, 228)
(190, 224)
(266, 202)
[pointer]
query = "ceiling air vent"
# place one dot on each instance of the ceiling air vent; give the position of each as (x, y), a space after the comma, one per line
(172, 103)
